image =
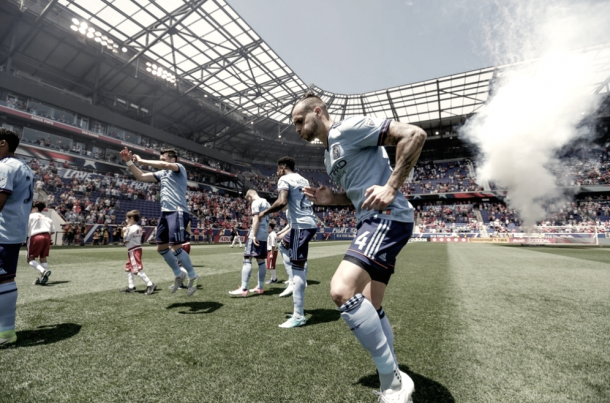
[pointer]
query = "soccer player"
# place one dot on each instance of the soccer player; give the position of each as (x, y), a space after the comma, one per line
(303, 228)
(132, 237)
(356, 159)
(256, 246)
(40, 229)
(171, 227)
(271, 253)
(235, 237)
(16, 193)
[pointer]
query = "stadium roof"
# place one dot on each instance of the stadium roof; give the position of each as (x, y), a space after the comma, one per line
(218, 82)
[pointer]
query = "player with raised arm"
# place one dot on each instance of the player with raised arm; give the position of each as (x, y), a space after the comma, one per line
(356, 159)
(171, 228)
(16, 194)
(256, 246)
(40, 229)
(303, 228)
(132, 237)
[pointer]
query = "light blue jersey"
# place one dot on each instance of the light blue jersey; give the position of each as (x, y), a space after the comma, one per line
(356, 159)
(299, 207)
(259, 205)
(16, 179)
(173, 189)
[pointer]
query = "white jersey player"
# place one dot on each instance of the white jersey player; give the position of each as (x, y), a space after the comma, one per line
(132, 237)
(40, 229)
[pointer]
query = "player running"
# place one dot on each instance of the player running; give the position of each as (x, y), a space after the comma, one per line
(16, 193)
(356, 159)
(40, 229)
(303, 229)
(171, 229)
(132, 237)
(256, 246)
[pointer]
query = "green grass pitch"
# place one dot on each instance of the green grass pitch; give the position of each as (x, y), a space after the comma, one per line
(473, 323)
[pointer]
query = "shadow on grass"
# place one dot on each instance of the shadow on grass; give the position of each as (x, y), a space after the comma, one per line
(322, 316)
(47, 334)
(426, 390)
(312, 282)
(196, 308)
(52, 283)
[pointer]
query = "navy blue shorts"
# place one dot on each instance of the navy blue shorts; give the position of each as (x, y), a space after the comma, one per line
(259, 252)
(9, 256)
(376, 246)
(298, 244)
(172, 227)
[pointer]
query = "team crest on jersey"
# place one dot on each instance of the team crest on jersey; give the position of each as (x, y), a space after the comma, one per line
(337, 151)
(369, 122)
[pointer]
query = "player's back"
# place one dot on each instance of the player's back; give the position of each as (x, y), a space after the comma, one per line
(18, 182)
(299, 207)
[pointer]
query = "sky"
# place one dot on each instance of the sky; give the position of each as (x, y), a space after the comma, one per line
(355, 46)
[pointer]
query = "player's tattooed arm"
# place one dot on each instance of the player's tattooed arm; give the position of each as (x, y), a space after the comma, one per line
(280, 203)
(409, 141)
(324, 196)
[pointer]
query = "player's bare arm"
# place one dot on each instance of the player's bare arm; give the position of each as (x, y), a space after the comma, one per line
(157, 164)
(324, 196)
(279, 204)
(126, 156)
(409, 141)
(255, 224)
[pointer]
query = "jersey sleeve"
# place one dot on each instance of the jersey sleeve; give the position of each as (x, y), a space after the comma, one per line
(282, 184)
(364, 131)
(7, 178)
(256, 207)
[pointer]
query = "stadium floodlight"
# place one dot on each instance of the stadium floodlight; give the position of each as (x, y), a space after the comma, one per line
(154, 66)
(148, 69)
(104, 43)
(91, 29)
(124, 49)
(89, 34)
(104, 37)
(115, 46)
(98, 33)
(84, 25)
(97, 39)
(82, 30)
(73, 27)
(148, 64)
(75, 21)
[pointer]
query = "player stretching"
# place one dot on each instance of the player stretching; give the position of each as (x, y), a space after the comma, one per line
(40, 229)
(256, 246)
(132, 236)
(303, 228)
(356, 159)
(171, 229)
(16, 193)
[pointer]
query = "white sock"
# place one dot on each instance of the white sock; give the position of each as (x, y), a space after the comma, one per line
(262, 272)
(145, 278)
(273, 274)
(298, 292)
(36, 265)
(130, 279)
(45, 265)
(246, 269)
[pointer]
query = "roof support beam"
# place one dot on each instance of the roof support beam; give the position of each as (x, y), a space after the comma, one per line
(396, 118)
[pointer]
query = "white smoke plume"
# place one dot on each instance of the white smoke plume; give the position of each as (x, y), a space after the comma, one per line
(539, 101)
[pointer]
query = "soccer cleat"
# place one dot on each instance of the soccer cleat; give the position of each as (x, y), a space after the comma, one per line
(256, 290)
(7, 338)
(239, 291)
(272, 281)
(287, 292)
(287, 282)
(178, 282)
(37, 281)
(150, 289)
(44, 277)
(129, 289)
(182, 287)
(293, 322)
(404, 395)
(192, 286)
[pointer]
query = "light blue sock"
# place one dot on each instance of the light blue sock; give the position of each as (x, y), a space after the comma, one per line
(286, 258)
(363, 320)
(262, 272)
(246, 269)
(387, 330)
(299, 277)
(8, 306)
(171, 261)
(185, 259)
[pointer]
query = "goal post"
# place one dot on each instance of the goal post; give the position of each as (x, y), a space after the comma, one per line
(575, 235)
